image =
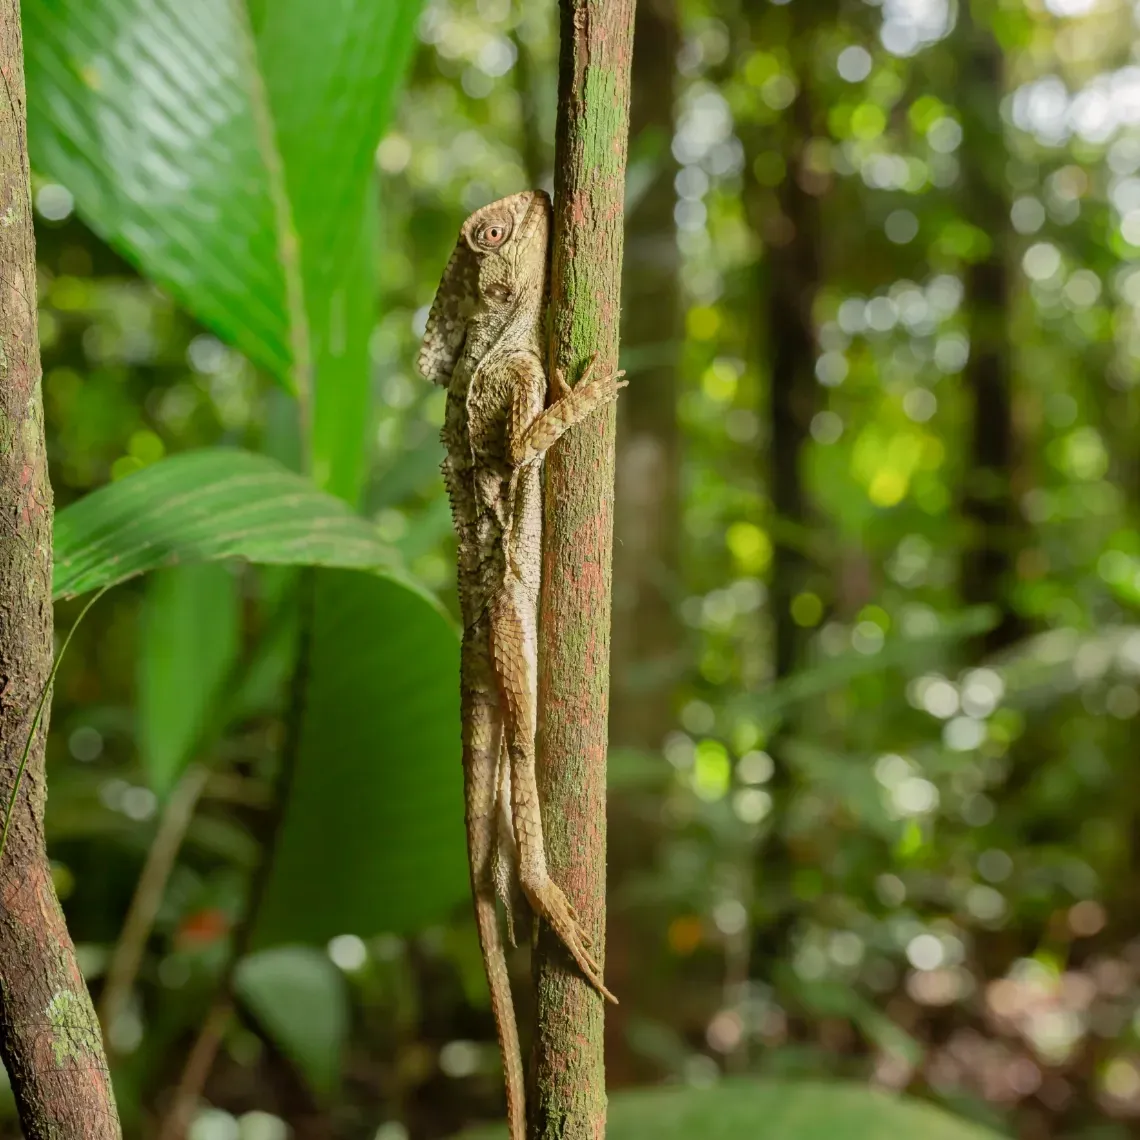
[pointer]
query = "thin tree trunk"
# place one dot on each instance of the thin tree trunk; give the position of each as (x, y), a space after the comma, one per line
(150, 890)
(646, 636)
(988, 506)
(569, 1100)
(49, 1037)
(788, 279)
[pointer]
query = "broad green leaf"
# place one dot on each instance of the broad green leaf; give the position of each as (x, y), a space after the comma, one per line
(188, 644)
(206, 506)
(231, 163)
(145, 110)
(300, 999)
(754, 1110)
(263, 685)
(372, 838)
(343, 394)
(331, 73)
(352, 81)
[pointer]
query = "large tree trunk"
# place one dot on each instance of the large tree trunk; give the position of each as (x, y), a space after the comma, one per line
(49, 1037)
(569, 1101)
(988, 506)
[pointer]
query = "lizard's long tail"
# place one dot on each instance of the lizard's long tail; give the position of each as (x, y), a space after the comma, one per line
(495, 960)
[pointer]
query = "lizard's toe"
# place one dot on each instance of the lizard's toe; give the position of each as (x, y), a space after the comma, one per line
(549, 902)
(559, 388)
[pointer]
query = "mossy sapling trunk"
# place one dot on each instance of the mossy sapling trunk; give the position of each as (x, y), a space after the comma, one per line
(988, 506)
(49, 1038)
(568, 1098)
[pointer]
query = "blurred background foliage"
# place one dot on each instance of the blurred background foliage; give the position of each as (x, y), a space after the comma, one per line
(874, 816)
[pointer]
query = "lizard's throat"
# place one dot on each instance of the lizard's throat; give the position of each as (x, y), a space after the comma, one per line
(522, 327)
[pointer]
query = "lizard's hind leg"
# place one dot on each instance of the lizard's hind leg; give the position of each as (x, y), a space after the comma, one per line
(482, 741)
(505, 862)
(515, 659)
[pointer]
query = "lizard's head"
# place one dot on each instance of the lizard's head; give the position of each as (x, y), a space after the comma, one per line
(511, 239)
(497, 273)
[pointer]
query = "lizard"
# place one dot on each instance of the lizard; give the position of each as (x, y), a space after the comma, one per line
(483, 342)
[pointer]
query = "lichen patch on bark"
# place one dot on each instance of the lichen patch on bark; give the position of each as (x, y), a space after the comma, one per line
(75, 1034)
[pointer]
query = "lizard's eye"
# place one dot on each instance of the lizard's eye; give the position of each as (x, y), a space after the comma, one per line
(493, 234)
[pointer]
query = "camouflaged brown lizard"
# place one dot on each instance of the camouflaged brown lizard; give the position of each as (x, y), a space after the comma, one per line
(485, 342)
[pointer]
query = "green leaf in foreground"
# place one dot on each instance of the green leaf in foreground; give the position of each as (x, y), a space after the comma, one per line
(189, 631)
(752, 1110)
(300, 999)
(372, 839)
(206, 506)
(145, 111)
(332, 73)
(211, 152)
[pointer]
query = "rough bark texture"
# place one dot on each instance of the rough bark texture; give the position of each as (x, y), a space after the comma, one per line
(646, 636)
(568, 1087)
(49, 1038)
(988, 506)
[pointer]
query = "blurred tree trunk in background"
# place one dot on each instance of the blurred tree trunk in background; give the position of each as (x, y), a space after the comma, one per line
(646, 635)
(535, 150)
(786, 222)
(790, 279)
(988, 504)
(49, 1037)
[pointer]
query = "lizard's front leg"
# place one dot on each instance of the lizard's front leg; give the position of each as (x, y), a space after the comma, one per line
(514, 651)
(571, 406)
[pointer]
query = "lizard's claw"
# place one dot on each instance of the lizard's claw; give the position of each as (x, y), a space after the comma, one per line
(558, 385)
(552, 905)
(599, 388)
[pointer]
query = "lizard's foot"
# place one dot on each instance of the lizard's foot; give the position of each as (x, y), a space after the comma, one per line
(599, 389)
(595, 389)
(551, 904)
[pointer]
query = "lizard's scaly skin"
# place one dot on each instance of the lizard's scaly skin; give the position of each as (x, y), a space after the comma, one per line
(484, 342)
